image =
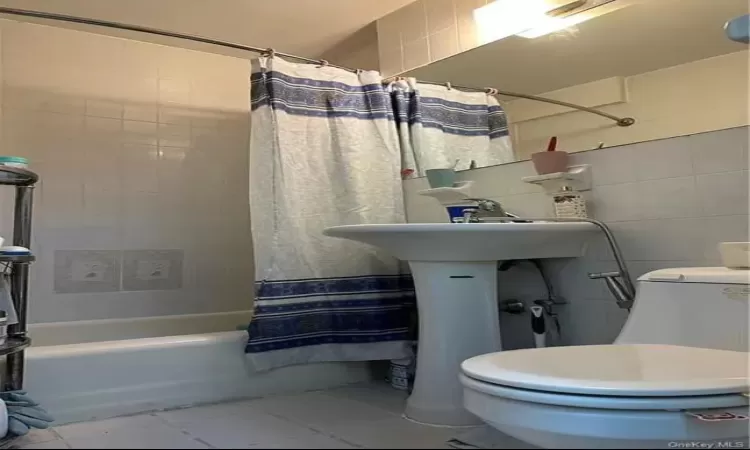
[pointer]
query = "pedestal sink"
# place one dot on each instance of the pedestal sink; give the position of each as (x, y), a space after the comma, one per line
(455, 274)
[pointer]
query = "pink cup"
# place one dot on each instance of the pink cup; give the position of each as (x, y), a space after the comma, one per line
(550, 162)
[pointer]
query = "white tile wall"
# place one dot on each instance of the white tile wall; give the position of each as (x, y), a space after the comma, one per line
(709, 158)
(440, 14)
(667, 198)
(665, 158)
(426, 31)
(443, 43)
(669, 203)
(139, 147)
(724, 193)
(360, 50)
(416, 53)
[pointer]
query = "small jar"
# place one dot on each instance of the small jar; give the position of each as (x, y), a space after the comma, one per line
(569, 204)
(399, 373)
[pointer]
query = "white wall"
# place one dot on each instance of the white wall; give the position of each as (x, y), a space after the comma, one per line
(705, 95)
(426, 31)
(139, 147)
(668, 202)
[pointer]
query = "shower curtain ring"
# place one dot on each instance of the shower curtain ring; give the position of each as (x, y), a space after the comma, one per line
(269, 52)
(323, 63)
(448, 85)
(492, 91)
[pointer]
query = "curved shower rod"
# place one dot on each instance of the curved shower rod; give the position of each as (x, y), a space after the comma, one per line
(621, 121)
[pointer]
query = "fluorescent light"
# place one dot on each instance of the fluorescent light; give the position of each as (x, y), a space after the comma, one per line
(550, 24)
(503, 18)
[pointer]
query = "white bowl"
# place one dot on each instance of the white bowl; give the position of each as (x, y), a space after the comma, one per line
(735, 255)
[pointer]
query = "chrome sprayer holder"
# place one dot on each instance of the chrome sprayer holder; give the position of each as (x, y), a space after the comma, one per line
(619, 283)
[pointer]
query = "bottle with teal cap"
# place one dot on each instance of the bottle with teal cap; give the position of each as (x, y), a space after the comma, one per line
(14, 161)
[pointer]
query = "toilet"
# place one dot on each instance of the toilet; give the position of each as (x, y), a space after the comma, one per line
(676, 374)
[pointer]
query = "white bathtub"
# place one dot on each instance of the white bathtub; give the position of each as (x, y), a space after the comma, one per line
(116, 367)
(61, 333)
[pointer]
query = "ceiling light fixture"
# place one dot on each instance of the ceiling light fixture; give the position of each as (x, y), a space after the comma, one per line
(534, 18)
(552, 23)
(503, 18)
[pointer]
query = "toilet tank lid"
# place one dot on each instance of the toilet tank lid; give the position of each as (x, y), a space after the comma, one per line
(717, 275)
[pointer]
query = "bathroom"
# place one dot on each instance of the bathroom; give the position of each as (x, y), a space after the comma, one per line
(142, 288)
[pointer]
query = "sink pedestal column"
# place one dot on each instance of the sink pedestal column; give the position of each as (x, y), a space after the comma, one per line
(458, 319)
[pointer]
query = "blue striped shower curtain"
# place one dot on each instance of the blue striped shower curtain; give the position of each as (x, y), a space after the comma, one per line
(439, 126)
(324, 151)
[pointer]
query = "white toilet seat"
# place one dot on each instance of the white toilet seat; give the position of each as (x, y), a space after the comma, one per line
(614, 396)
(678, 403)
(636, 370)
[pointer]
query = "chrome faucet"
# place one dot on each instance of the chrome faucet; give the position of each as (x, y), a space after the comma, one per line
(623, 292)
(485, 208)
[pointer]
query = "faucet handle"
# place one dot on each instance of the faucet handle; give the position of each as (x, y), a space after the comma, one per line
(598, 275)
(624, 298)
(486, 204)
(469, 216)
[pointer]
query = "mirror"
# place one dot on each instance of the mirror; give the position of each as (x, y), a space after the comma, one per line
(666, 63)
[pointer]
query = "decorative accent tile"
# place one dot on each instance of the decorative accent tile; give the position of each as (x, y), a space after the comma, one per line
(78, 271)
(150, 270)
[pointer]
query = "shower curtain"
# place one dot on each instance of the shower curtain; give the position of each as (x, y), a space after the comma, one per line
(439, 126)
(324, 151)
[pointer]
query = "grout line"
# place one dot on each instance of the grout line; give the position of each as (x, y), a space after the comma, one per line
(362, 402)
(674, 218)
(594, 186)
(197, 439)
(327, 392)
(184, 431)
(268, 413)
(54, 431)
(311, 428)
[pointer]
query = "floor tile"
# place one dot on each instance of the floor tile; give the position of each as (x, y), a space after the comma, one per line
(104, 427)
(245, 425)
(378, 395)
(56, 444)
(488, 438)
(321, 411)
(359, 416)
(144, 431)
(37, 437)
(395, 432)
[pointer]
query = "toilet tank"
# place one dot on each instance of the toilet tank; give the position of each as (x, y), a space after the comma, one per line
(695, 307)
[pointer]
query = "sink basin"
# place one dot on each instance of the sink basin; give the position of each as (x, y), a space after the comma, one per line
(454, 267)
(472, 241)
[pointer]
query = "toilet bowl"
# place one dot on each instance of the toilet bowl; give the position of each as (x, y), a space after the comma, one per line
(677, 374)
